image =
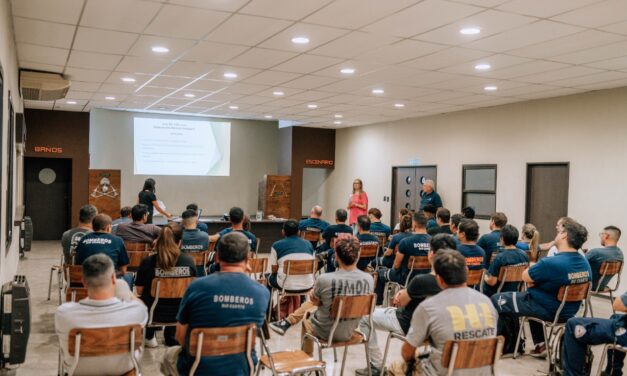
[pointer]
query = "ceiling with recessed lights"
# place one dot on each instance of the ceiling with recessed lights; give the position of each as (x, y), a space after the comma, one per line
(332, 63)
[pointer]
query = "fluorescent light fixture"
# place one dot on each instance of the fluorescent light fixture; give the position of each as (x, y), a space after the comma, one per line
(300, 40)
(312, 106)
(378, 91)
(338, 116)
(278, 93)
(470, 31)
(347, 70)
(482, 67)
(268, 116)
(128, 79)
(337, 122)
(189, 95)
(233, 107)
(110, 98)
(160, 49)
(70, 102)
(399, 105)
(230, 75)
(490, 88)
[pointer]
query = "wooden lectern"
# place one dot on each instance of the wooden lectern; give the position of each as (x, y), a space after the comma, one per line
(105, 191)
(274, 196)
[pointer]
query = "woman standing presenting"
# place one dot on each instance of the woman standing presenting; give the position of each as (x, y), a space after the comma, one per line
(358, 202)
(148, 198)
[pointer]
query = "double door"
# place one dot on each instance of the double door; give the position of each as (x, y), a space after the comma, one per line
(406, 187)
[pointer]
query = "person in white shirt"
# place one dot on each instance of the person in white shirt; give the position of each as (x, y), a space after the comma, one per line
(101, 309)
(292, 247)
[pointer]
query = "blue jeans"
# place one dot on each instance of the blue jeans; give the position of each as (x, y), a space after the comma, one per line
(519, 304)
(581, 332)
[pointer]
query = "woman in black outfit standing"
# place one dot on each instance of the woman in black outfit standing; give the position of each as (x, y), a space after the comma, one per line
(148, 198)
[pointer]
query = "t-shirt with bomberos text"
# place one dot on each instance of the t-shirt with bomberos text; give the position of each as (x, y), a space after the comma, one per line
(101, 242)
(475, 256)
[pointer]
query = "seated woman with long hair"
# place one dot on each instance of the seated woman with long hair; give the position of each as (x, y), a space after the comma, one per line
(167, 262)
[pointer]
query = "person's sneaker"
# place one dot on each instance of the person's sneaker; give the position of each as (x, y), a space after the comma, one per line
(280, 327)
(539, 351)
(152, 343)
(364, 371)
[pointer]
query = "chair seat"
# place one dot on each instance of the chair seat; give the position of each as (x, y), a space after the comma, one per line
(288, 361)
(157, 324)
(356, 338)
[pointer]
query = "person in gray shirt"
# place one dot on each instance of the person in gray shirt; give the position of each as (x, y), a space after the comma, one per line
(456, 313)
(125, 217)
(70, 238)
(138, 231)
(610, 252)
(347, 280)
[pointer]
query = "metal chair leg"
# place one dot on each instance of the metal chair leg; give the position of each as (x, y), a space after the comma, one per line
(385, 354)
(60, 285)
(602, 361)
(368, 359)
(344, 360)
(50, 283)
(520, 333)
(334, 355)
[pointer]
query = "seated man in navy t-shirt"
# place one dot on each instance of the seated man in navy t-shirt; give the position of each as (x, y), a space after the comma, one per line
(194, 240)
(509, 256)
(101, 241)
(442, 219)
(292, 247)
(545, 279)
(365, 238)
(236, 217)
(314, 223)
(340, 228)
(415, 245)
(610, 252)
(430, 211)
(468, 233)
(201, 226)
(491, 242)
(224, 299)
(377, 227)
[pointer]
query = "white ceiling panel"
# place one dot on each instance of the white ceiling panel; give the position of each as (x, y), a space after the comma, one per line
(307, 64)
(211, 52)
(117, 89)
(619, 63)
(133, 64)
(284, 9)
(92, 60)
(170, 82)
(144, 44)
(551, 93)
(247, 30)
(399, 52)
(43, 33)
(104, 41)
(311, 95)
(619, 28)
(227, 6)
(590, 55)
(353, 14)
(208, 85)
(318, 35)
(41, 67)
(446, 58)
(120, 15)
(152, 91)
(424, 16)
(62, 11)
(84, 86)
(559, 74)
(272, 78)
(309, 82)
(41, 54)
(353, 44)
(79, 95)
(246, 89)
(189, 69)
(497, 61)
(542, 8)
(261, 58)
(599, 14)
(591, 79)
(86, 75)
(568, 44)
(184, 22)
(242, 73)
(525, 69)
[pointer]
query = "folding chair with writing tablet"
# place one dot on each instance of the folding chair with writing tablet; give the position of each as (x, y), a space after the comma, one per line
(221, 342)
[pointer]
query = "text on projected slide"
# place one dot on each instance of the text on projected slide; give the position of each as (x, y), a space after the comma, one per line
(181, 147)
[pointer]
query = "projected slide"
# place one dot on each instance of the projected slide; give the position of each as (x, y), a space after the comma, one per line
(181, 147)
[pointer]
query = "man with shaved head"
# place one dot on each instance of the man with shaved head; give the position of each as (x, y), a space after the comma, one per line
(314, 222)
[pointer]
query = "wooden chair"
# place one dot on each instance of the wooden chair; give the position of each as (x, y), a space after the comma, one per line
(289, 362)
(57, 268)
(73, 275)
(475, 277)
(166, 288)
(511, 273)
(74, 294)
(257, 268)
(608, 346)
(391, 336)
(311, 235)
(369, 251)
(567, 294)
(468, 354)
(293, 268)
(608, 270)
(201, 258)
(137, 247)
(135, 259)
(212, 246)
(382, 238)
(258, 245)
(222, 342)
(347, 308)
(417, 263)
(93, 342)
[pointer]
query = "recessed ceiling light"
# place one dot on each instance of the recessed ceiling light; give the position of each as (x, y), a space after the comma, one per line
(70, 102)
(378, 91)
(337, 122)
(189, 95)
(312, 106)
(234, 107)
(300, 40)
(490, 88)
(482, 66)
(347, 70)
(160, 49)
(110, 98)
(278, 93)
(338, 116)
(230, 75)
(399, 105)
(470, 31)
(128, 79)
(268, 116)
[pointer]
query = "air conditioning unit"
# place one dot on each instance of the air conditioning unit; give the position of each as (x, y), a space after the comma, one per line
(42, 86)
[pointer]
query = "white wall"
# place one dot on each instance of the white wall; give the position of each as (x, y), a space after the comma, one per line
(254, 152)
(8, 61)
(588, 130)
(314, 192)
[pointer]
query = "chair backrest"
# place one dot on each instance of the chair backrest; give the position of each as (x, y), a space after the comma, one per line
(74, 294)
(200, 257)
(576, 292)
(222, 341)
(212, 246)
(368, 250)
(104, 341)
(135, 258)
(418, 263)
(382, 238)
(474, 277)
(352, 307)
(310, 235)
(512, 273)
(465, 354)
(300, 267)
(137, 247)
(257, 265)
(74, 274)
(610, 268)
(169, 288)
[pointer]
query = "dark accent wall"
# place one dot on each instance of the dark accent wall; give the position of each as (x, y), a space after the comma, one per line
(70, 132)
(304, 144)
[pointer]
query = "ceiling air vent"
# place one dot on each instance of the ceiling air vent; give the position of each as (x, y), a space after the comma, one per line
(41, 86)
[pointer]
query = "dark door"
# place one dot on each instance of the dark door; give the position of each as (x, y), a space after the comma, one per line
(47, 196)
(406, 187)
(547, 196)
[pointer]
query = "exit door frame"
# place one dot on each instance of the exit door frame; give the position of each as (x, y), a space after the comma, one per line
(393, 194)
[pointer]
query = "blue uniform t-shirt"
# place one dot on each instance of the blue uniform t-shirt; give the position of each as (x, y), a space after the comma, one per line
(474, 255)
(388, 261)
(252, 239)
(551, 273)
(332, 231)
(366, 239)
(414, 245)
(490, 243)
(432, 198)
(506, 257)
(313, 223)
(596, 257)
(291, 244)
(194, 241)
(221, 300)
(203, 227)
(380, 228)
(100, 242)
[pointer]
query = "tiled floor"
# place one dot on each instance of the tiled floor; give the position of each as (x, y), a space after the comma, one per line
(42, 351)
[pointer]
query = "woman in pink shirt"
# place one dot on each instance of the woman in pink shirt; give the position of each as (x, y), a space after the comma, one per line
(358, 202)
